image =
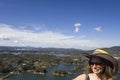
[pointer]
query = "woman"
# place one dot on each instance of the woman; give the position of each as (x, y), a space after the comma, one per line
(101, 66)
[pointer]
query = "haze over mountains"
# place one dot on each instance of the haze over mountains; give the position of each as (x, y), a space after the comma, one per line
(112, 50)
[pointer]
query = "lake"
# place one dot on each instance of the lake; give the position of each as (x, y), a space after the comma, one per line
(49, 75)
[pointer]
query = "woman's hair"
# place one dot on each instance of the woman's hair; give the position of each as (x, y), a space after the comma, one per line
(105, 75)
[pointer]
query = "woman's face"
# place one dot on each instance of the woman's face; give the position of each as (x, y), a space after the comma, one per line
(96, 65)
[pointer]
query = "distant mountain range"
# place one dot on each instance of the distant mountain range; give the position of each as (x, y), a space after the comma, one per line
(112, 50)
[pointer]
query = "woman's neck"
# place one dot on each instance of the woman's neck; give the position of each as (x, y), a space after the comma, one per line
(99, 76)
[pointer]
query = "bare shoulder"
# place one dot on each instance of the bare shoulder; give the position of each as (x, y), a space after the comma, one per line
(80, 77)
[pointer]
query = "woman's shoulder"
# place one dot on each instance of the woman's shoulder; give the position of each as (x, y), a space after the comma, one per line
(80, 77)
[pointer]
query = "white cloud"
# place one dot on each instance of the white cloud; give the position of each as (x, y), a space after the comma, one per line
(77, 25)
(16, 37)
(76, 29)
(98, 29)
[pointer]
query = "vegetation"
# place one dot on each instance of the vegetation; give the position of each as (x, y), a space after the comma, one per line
(59, 73)
(15, 61)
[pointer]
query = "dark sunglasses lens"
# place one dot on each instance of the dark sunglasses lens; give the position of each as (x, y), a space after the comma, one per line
(97, 63)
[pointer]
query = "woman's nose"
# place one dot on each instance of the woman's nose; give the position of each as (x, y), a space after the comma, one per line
(94, 65)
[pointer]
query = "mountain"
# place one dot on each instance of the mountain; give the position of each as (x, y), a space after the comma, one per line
(112, 50)
(9, 48)
(115, 50)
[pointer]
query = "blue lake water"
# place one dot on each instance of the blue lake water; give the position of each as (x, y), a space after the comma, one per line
(49, 75)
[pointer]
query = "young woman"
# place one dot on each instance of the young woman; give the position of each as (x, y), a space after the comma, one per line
(101, 66)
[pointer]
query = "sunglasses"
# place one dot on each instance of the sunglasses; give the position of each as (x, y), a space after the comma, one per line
(96, 63)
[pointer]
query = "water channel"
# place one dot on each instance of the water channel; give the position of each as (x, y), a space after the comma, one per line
(49, 75)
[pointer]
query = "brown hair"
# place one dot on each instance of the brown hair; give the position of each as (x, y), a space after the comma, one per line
(106, 74)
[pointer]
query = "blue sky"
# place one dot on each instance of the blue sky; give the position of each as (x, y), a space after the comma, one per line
(80, 24)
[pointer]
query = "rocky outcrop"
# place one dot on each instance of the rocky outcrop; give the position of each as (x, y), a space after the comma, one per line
(59, 73)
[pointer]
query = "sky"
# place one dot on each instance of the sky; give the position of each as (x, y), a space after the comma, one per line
(79, 24)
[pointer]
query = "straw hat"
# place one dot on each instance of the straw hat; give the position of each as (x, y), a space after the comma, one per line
(108, 59)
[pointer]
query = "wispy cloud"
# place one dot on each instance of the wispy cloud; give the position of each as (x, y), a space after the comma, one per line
(10, 36)
(98, 29)
(77, 24)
